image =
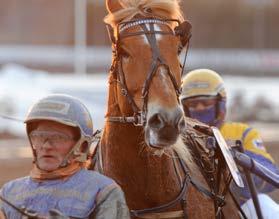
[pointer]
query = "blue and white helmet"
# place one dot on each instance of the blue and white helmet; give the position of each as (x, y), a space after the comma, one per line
(66, 110)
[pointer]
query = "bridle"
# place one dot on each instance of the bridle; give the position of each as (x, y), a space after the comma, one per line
(139, 115)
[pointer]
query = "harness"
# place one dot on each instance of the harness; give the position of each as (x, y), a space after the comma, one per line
(210, 166)
(202, 160)
(139, 115)
(162, 210)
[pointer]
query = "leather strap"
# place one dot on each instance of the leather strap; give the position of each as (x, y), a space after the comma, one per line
(163, 215)
(161, 208)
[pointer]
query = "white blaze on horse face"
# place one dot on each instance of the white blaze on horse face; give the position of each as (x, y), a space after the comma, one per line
(162, 71)
(164, 79)
(156, 28)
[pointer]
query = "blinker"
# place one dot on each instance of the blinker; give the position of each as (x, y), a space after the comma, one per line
(184, 31)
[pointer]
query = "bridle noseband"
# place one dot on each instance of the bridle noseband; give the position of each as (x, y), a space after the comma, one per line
(139, 115)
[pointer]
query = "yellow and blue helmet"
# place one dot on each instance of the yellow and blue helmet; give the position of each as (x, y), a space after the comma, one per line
(205, 83)
(202, 82)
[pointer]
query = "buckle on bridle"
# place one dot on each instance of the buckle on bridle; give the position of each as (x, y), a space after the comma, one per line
(140, 119)
(221, 202)
(124, 92)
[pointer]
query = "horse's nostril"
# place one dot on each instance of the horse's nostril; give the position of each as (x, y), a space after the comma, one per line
(156, 121)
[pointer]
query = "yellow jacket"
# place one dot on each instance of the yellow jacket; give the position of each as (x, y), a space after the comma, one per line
(254, 148)
(249, 136)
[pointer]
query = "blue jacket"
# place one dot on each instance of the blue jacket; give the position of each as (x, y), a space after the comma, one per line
(75, 197)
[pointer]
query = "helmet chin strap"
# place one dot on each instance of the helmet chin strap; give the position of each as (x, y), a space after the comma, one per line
(75, 153)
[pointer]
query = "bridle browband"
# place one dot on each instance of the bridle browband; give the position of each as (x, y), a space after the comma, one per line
(139, 115)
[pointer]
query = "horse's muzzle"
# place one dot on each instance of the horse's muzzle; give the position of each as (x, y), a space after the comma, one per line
(163, 128)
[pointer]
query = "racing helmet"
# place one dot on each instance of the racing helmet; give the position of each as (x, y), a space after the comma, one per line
(66, 110)
(205, 83)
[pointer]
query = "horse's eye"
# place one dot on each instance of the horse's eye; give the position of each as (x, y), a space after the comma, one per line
(180, 48)
(124, 53)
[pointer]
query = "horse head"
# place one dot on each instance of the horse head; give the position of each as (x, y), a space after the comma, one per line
(147, 37)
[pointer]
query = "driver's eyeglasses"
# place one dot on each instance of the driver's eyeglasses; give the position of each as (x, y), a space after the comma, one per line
(195, 101)
(56, 139)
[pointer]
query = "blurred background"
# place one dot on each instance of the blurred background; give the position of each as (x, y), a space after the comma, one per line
(62, 46)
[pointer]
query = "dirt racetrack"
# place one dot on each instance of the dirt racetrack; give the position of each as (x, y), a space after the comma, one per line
(22, 162)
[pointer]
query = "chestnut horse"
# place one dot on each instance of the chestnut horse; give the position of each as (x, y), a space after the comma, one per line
(141, 137)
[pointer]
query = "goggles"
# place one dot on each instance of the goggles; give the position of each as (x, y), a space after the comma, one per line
(56, 139)
(193, 102)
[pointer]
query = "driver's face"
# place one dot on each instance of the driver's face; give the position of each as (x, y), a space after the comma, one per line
(52, 142)
(199, 103)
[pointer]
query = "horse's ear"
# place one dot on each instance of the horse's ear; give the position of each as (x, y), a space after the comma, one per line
(113, 5)
(184, 31)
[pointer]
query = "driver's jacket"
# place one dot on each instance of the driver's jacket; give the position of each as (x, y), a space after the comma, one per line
(86, 194)
(254, 148)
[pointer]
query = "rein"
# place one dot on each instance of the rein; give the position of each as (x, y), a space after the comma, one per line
(22, 211)
(139, 115)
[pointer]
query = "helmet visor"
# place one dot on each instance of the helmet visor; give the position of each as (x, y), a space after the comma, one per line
(194, 102)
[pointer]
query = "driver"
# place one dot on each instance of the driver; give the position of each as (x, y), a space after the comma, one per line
(204, 98)
(60, 129)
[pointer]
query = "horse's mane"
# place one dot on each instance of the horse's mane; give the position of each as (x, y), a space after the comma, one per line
(164, 9)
